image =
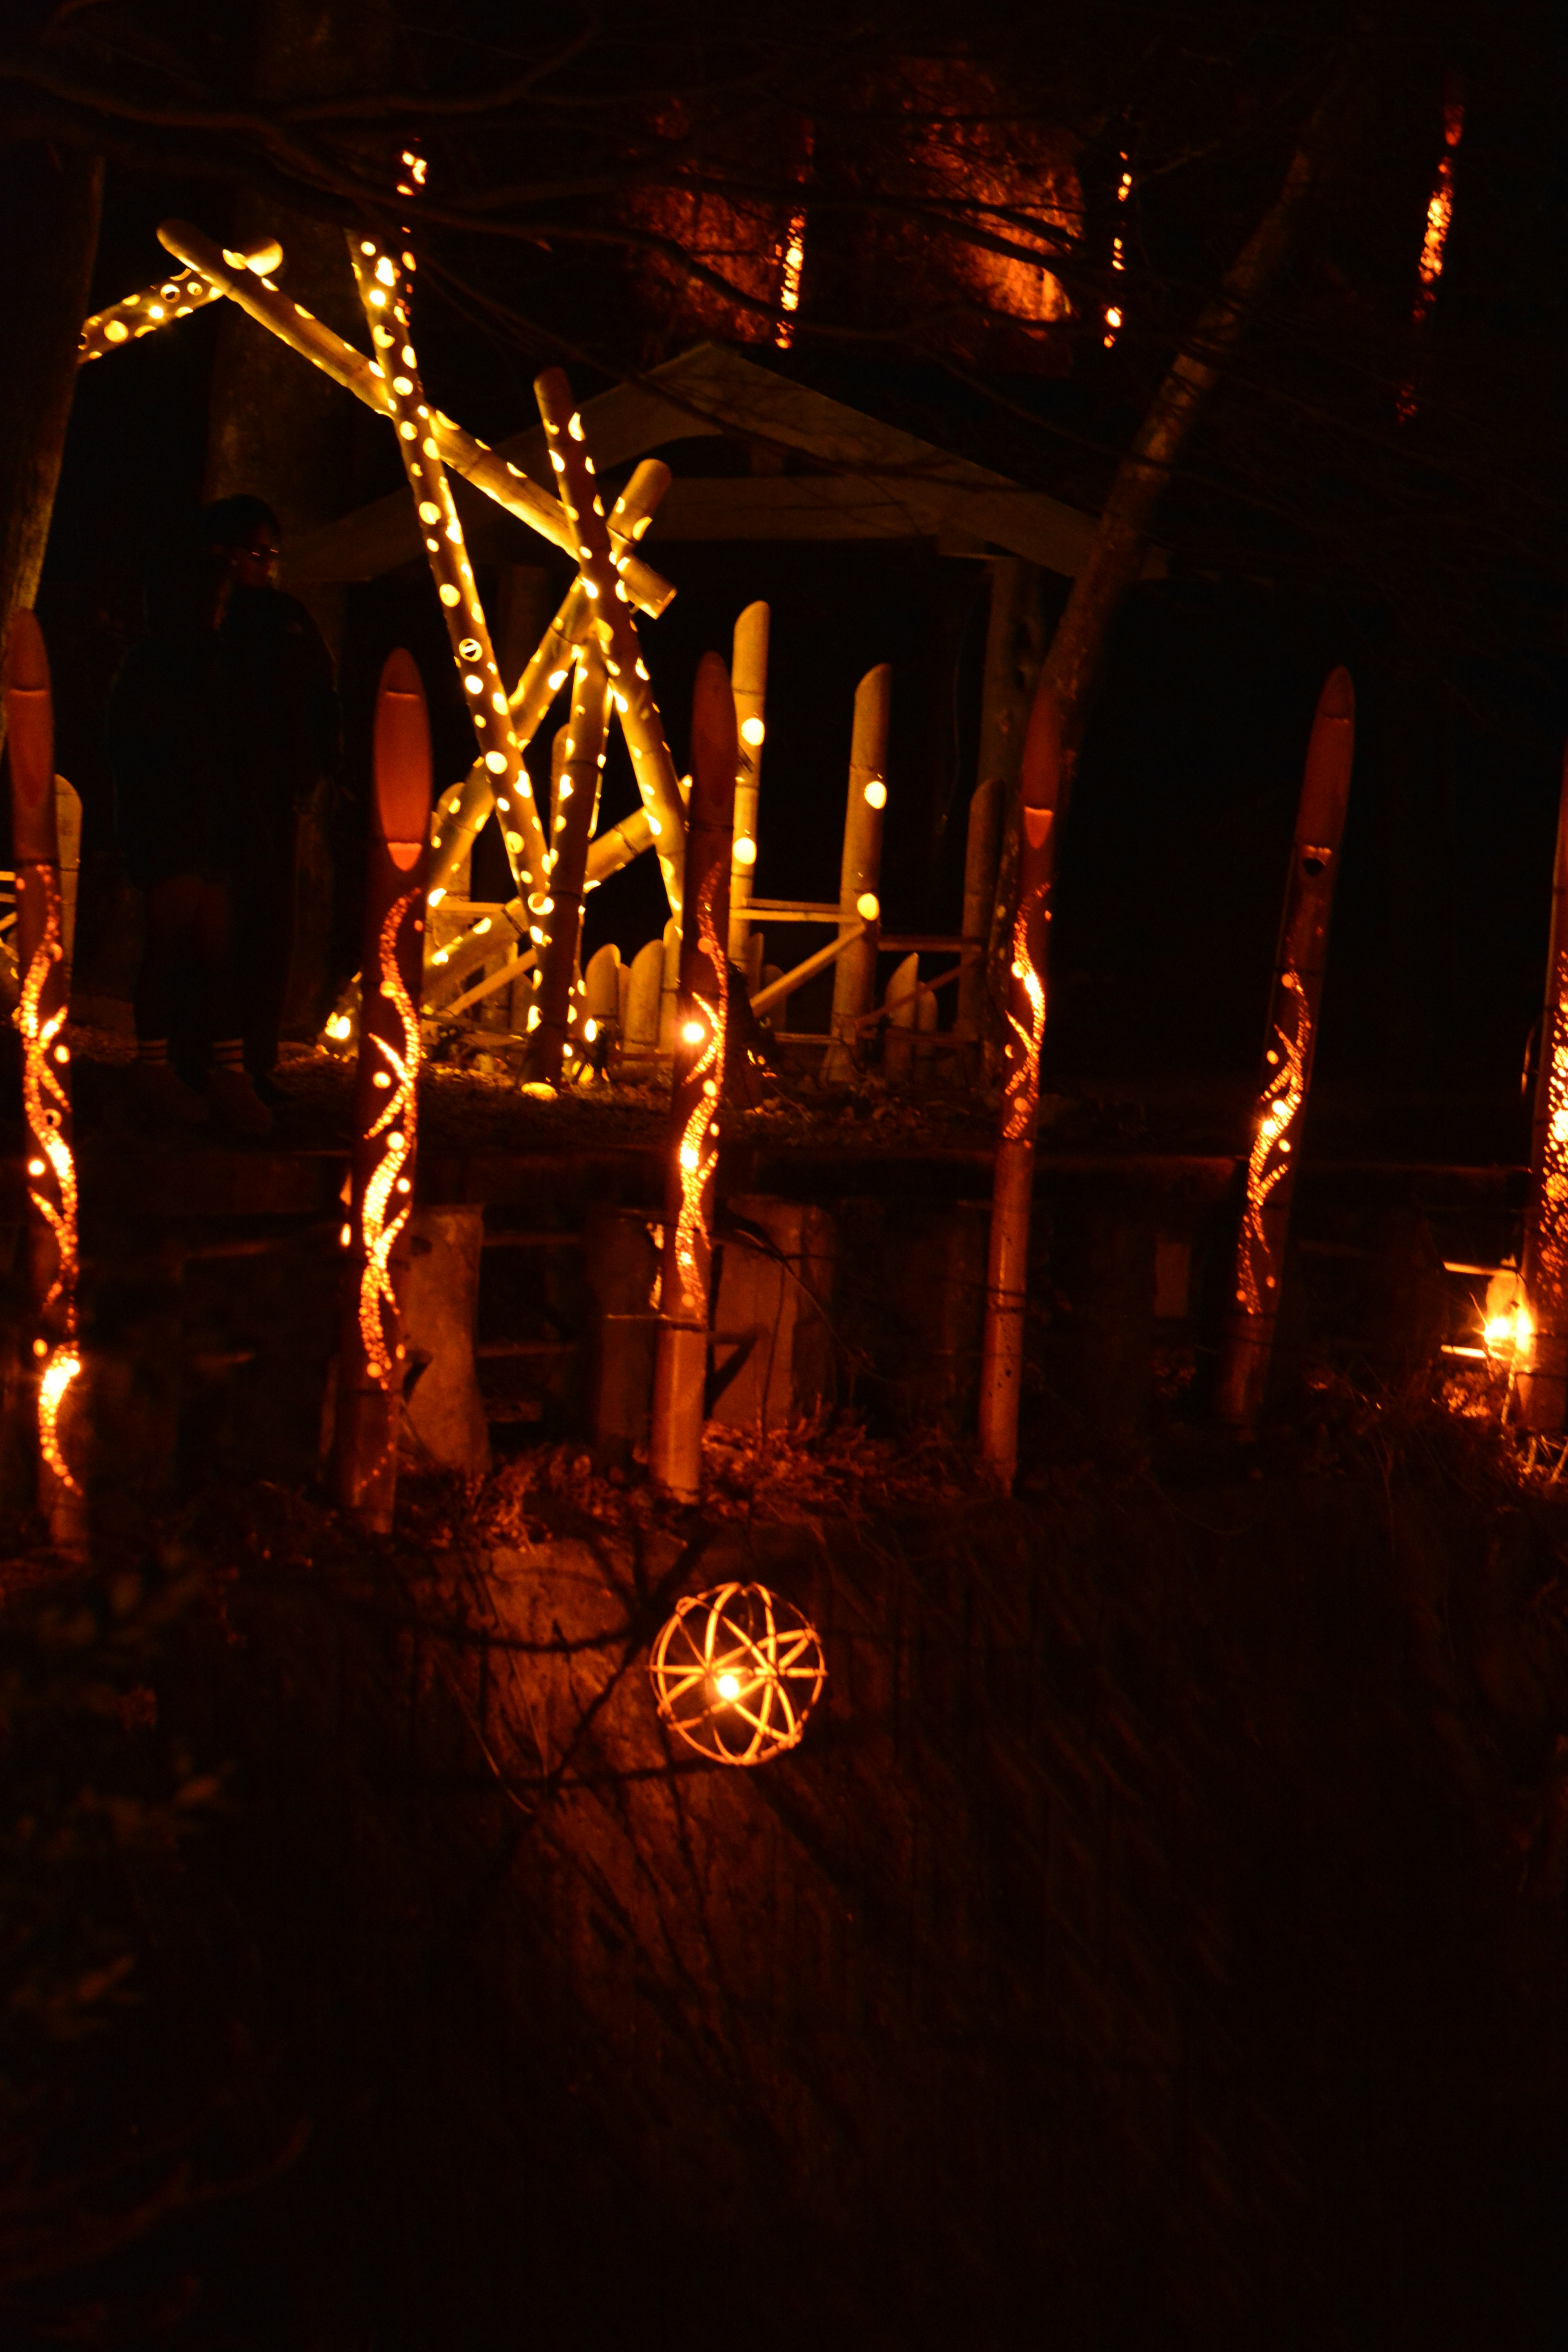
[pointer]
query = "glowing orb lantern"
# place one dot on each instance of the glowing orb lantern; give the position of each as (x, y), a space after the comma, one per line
(736, 1673)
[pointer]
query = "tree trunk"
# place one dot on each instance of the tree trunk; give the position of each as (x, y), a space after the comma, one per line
(49, 199)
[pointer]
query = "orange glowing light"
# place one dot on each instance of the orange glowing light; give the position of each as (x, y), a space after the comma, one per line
(396, 1122)
(789, 286)
(698, 1149)
(1439, 215)
(1550, 1269)
(1272, 1144)
(1021, 1097)
(736, 1672)
(46, 1106)
(1118, 258)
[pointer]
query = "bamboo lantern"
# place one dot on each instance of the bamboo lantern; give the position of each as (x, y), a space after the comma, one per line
(1013, 1183)
(158, 306)
(675, 1452)
(551, 1015)
(645, 993)
(484, 467)
(54, 1258)
(1539, 1336)
(749, 684)
(1270, 1177)
(371, 1361)
(736, 1673)
(630, 690)
(855, 973)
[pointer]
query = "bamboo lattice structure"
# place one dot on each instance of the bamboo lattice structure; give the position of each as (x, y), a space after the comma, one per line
(736, 1673)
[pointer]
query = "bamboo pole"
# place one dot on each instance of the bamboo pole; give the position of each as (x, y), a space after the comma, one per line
(384, 292)
(54, 1258)
(615, 848)
(487, 471)
(982, 853)
(553, 1013)
(464, 813)
(630, 690)
(784, 983)
(639, 1040)
(902, 1007)
(1541, 1349)
(675, 1447)
(177, 296)
(372, 1356)
(749, 684)
(1287, 1058)
(1013, 1183)
(855, 977)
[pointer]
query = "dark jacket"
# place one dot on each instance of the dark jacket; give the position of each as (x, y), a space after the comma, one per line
(285, 714)
(169, 735)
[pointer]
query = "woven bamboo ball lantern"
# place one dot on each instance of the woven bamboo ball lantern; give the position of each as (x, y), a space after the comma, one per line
(736, 1672)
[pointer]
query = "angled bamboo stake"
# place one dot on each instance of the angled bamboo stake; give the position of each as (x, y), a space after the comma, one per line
(855, 974)
(53, 1250)
(1542, 1343)
(550, 1014)
(1271, 1162)
(749, 684)
(675, 1449)
(1013, 1183)
(373, 1355)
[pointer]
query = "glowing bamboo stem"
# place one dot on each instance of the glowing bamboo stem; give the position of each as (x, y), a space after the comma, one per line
(464, 812)
(784, 983)
(158, 306)
(630, 690)
(576, 793)
(749, 682)
(855, 976)
(53, 1253)
(615, 848)
(1540, 1346)
(371, 1361)
(1013, 1183)
(495, 475)
(1272, 1157)
(674, 1448)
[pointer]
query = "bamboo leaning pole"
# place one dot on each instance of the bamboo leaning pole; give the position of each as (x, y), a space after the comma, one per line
(855, 973)
(553, 1013)
(680, 1376)
(981, 857)
(1013, 1183)
(749, 684)
(53, 1257)
(372, 1356)
(1272, 1157)
(177, 296)
(1541, 1352)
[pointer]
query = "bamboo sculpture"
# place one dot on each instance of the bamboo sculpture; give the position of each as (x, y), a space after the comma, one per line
(1540, 1340)
(675, 1453)
(749, 684)
(855, 973)
(1013, 1184)
(552, 1013)
(53, 1251)
(158, 306)
(1270, 1177)
(371, 1361)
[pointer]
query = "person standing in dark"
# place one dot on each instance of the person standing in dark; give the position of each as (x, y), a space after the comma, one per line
(170, 731)
(284, 742)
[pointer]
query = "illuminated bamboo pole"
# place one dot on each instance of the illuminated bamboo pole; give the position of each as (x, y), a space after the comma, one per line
(675, 1445)
(384, 291)
(53, 1251)
(484, 467)
(639, 1040)
(371, 1359)
(630, 690)
(1013, 1181)
(1287, 1058)
(576, 793)
(1540, 1347)
(855, 976)
(749, 684)
(784, 983)
(464, 813)
(616, 846)
(981, 860)
(145, 312)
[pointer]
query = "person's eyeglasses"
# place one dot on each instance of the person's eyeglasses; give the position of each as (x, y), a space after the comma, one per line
(262, 554)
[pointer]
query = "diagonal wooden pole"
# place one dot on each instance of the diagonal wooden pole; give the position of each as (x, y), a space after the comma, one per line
(577, 796)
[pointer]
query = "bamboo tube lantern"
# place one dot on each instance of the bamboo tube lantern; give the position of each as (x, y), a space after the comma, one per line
(981, 857)
(675, 1451)
(484, 467)
(371, 1361)
(1271, 1176)
(601, 571)
(158, 306)
(54, 1258)
(1537, 1342)
(552, 1013)
(1013, 1183)
(749, 684)
(640, 1039)
(384, 290)
(736, 1673)
(901, 1005)
(855, 973)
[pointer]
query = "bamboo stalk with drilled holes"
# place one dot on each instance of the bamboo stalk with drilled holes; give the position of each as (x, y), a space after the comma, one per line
(630, 690)
(675, 1445)
(749, 684)
(484, 467)
(1013, 1181)
(854, 978)
(576, 797)
(1274, 1151)
(615, 848)
(145, 312)
(53, 1253)
(374, 1355)
(1542, 1349)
